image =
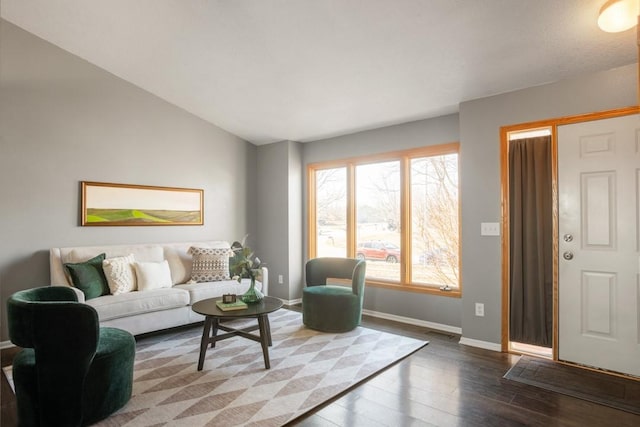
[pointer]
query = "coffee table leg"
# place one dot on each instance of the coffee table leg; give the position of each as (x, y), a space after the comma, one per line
(214, 331)
(266, 319)
(264, 338)
(204, 342)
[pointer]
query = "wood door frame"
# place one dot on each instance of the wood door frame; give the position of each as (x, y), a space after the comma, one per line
(551, 124)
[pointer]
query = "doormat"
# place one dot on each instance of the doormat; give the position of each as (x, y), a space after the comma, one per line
(609, 390)
(308, 368)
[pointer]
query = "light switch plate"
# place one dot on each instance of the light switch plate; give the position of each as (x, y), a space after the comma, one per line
(490, 229)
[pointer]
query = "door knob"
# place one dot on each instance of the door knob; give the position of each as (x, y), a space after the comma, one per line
(568, 238)
(568, 255)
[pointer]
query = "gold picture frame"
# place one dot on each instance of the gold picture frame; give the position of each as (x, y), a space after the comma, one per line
(108, 204)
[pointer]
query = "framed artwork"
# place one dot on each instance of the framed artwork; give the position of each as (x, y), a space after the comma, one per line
(106, 204)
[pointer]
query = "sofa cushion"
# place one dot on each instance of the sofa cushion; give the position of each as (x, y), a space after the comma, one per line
(152, 275)
(133, 303)
(210, 264)
(204, 290)
(179, 264)
(149, 253)
(120, 274)
(89, 277)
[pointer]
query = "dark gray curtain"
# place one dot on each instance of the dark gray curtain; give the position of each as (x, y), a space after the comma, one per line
(531, 234)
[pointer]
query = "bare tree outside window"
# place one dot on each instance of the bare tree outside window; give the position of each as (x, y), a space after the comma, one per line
(378, 218)
(435, 240)
(331, 212)
(419, 251)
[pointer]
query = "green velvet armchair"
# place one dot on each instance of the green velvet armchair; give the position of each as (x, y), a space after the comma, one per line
(70, 372)
(331, 308)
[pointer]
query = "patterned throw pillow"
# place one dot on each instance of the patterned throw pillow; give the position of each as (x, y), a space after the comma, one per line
(120, 274)
(210, 264)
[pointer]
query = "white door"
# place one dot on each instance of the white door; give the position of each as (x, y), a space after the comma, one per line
(599, 264)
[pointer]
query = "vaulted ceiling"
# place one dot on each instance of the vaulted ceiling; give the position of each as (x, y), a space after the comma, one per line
(303, 70)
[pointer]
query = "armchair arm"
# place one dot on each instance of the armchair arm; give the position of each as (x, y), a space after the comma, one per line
(357, 282)
(319, 269)
(79, 294)
(21, 308)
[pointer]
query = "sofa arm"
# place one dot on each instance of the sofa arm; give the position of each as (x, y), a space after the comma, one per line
(265, 281)
(56, 268)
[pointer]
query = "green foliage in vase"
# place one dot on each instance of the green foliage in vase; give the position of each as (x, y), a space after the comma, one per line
(244, 263)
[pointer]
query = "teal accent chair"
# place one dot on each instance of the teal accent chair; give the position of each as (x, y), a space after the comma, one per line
(70, 371)
(331, 308)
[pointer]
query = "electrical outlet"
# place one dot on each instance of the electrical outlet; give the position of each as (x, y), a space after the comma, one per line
(280, 279)
(490, 229)
(479, 309)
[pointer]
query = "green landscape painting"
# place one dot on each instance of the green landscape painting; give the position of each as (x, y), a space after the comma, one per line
(142, 216)
(125, 204)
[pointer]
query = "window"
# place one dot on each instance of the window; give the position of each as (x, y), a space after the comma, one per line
(434, 219)
(399, 211)
(377, 200)
(331, 209)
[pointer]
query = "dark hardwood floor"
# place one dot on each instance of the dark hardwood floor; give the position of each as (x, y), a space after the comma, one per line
(7, 398)
(443, 384)
(449, 384)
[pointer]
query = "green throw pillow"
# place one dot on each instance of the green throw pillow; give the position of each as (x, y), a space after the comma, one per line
(89, 277)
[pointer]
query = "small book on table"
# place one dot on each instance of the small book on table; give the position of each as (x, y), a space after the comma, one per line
(238, 305)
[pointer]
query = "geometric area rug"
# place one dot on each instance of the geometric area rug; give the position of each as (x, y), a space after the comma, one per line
(307, 369)
(613, 391)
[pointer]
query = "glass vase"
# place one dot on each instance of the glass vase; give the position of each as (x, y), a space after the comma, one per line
(253, 295)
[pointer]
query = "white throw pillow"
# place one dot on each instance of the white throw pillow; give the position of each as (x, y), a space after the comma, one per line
(120, 274)
(153, 275)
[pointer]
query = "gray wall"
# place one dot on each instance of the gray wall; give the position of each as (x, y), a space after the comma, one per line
(296, 230)
(272, 222)
(280, 221)
(478, 132)
(432, 308)
(480, 122)
(63, 121)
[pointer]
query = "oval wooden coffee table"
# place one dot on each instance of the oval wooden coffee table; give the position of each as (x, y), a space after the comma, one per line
(215, 317)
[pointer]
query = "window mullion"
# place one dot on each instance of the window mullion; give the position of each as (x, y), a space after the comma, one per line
(405, 220)
(311, 215)
(351, 211)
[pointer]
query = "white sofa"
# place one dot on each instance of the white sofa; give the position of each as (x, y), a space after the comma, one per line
(150, 310)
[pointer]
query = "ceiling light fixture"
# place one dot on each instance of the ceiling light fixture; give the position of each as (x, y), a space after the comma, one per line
(618, 15)
(621, 15)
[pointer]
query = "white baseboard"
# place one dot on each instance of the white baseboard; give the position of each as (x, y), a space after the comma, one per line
(481, 344)
(408, 320)
(292, 301)
(6, 344)
(400, 319)
(416, 322)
